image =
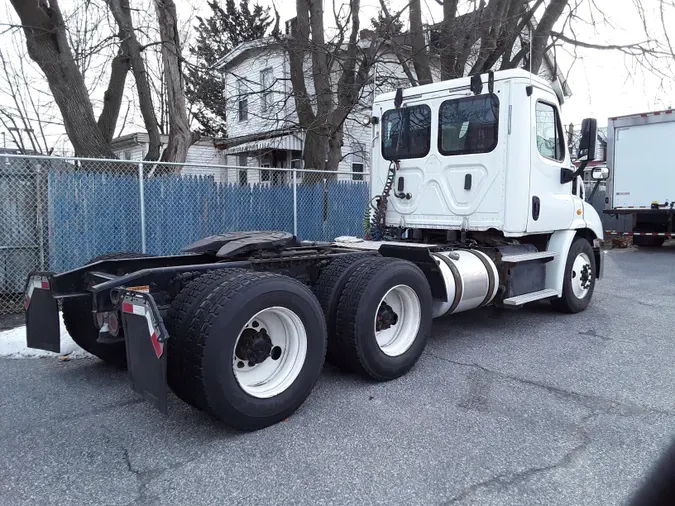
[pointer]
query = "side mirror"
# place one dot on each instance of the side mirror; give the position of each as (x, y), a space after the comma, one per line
(589, 137)
(600, 174)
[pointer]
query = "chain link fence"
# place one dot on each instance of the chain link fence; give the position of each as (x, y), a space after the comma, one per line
(58, 213)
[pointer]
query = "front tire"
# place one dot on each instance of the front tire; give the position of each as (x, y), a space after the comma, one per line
(579, 281)
(383, 318)
(254, 349)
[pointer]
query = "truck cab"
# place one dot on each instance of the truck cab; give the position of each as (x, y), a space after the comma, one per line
(478, 158)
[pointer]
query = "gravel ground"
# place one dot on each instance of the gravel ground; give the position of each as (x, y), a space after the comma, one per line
(505, 407)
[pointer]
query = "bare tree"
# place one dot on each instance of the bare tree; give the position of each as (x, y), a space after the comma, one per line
(338, 69)
(490, 34)
(20, 110)
(131, 49)
(83, 43)
(48, 46)
(180, 136)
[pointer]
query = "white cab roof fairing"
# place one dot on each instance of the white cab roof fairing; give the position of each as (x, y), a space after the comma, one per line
(464, 83)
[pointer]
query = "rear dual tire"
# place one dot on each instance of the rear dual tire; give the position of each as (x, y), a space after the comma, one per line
(379, 317)
(246, 347)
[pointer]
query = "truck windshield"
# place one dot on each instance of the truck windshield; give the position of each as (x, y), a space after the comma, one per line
(468, 125)
(406, 132)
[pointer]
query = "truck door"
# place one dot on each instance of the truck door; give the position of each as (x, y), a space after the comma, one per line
(551, 203)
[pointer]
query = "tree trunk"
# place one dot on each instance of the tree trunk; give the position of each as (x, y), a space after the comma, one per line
(334, 156)
(448, 53)
(541, 35)
(112, 98)
(316, 146)
(47, 43)
(180, 136)
(420, 53)
(122, 14)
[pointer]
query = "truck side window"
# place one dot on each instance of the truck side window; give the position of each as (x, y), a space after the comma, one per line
(468, 125)
(550, 140)
(406, 132)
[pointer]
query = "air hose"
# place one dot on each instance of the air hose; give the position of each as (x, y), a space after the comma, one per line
(375, 222)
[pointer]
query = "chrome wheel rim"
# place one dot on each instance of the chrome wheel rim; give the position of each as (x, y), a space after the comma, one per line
(398, 320)
(269, 352)
(582, 275)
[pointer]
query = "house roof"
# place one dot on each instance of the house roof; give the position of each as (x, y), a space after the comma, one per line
(230, 142)
(141, 138)
(243, 48)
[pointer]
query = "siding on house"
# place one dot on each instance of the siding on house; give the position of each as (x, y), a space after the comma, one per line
(201, 156)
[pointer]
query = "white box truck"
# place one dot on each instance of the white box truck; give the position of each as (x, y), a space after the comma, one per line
(641, 185)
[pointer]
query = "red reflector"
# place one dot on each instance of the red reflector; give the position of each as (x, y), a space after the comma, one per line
(45, 285)
(159, 349)
(127, 308)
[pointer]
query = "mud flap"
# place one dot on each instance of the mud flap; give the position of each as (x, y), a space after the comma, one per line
(42, 314)
(145, 338)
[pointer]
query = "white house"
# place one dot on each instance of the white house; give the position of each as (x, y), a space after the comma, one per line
(202, 158)
(262, 123)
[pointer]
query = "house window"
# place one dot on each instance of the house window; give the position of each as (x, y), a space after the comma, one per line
(357, 171)
(243, 100)
(291, 26)
(266, 93)
(243, 173)
(358, 156)
(265, 174)
(550, 140)
(468, 125)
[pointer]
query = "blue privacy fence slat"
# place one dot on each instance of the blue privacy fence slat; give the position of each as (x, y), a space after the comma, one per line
(95, 213)
(91, 214)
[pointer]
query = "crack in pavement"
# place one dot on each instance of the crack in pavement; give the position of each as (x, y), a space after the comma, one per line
(595, 404)
(144, 476)
(592, 402)
(503, 480)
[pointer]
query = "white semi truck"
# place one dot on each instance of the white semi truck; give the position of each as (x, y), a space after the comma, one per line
(472, 205)
(641, 185)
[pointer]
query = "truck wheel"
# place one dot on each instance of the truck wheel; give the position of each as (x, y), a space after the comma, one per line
(579, 281)
(329, 285)
(255, 348)
(383, 318)
(79, 321)
(178, 319)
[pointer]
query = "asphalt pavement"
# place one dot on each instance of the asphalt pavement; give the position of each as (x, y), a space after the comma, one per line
(523, 407)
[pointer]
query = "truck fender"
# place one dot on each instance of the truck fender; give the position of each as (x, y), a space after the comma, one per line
(560, 242)
(593, 220)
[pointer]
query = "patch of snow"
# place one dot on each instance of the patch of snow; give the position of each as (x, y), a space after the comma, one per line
(13, 345)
